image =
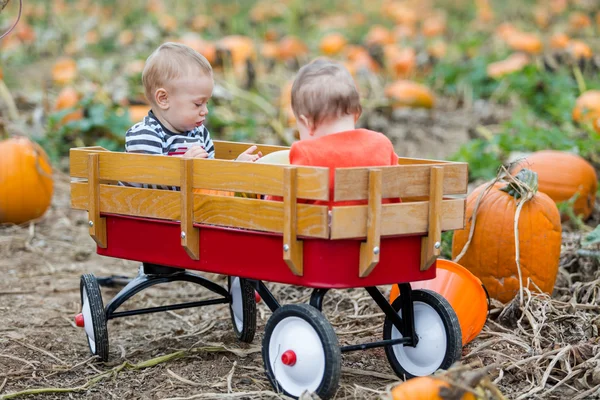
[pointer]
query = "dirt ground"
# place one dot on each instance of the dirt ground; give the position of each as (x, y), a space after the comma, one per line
(550, 351)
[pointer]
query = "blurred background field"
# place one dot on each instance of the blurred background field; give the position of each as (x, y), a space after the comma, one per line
(74, 67)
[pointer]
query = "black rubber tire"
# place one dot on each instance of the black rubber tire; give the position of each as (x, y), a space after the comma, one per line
(333, 360)
(89, 282)
(246, 334)
(449, 320)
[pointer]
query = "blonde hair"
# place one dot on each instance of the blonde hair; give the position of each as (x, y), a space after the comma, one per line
(170, 61)
(323, 90)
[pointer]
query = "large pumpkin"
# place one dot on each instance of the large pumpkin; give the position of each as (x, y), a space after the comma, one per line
(405, 93)
(562, 175)
(26, 183)
(491, 254)
(587, 107)
(428, 388)
(68, 98)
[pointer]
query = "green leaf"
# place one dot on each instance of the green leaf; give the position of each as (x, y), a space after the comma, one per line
(592, 238)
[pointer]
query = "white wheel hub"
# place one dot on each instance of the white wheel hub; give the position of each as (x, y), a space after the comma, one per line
(237, 304)
(295, 335)
(88, 321)
(427, 356)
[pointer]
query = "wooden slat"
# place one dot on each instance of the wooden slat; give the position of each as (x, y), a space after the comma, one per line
(396, 219)
(243, 213)
(431, 245)
(225, 150)
(190, 236)
(292, 248)
(97, 225)
(313, 182)
(412, 161)
(369, 250)
(399, 181)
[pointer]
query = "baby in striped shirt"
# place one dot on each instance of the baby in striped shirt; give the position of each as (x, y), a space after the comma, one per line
(178, 82)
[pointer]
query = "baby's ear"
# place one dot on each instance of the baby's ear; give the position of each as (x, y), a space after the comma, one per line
(357, 116)
(161, 97)
(306, 122)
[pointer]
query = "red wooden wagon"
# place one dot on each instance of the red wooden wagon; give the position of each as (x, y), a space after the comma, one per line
(251, 240)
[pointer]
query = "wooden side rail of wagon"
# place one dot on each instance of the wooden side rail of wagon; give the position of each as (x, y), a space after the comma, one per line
(424, 186)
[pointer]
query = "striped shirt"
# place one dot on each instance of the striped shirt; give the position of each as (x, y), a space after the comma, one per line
(150, 136)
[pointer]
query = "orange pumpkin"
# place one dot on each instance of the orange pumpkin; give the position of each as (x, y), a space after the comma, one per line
(427, 388)
(579, 49)
(558, 6)
(587, 107)
(541, 15)
(333, 44)
(578, 21)
(523, 41)
(401, 63)
(402, 32)
(68, 98)
(240, 47)
(269, 50)
(195, 41)
(92, 37)
(126, 37)
(25, 32)
(562, 175)
(491, 254)
(291, 47)
(437, 49)
(513, 63)
(167, 22)
(26, 184)
(64, 71)
(379, 35)
(559, 41)
(134, 67)
(271, 35)
(201, 22)
(360, 59)
(505, 29)
(434, 25)
(402, 14)
(404, 93)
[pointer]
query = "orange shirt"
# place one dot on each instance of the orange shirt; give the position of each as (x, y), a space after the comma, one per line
(355, 148)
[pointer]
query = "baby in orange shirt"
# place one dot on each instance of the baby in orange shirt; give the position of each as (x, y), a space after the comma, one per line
(326, 104)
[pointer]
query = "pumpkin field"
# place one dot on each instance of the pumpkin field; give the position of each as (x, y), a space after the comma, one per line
(511, 87)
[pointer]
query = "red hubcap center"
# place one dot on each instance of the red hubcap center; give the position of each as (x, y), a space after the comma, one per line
(79, 320)
(288, 358)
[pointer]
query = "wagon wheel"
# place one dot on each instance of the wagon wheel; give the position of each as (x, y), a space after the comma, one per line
(242, 308)
(301, 352)
(438, 330)
(93, 317)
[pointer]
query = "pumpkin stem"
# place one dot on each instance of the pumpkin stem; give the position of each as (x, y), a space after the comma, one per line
(524, 184)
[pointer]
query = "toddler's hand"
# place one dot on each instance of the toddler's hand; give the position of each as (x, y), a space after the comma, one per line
(248, 156)
(196, 152)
